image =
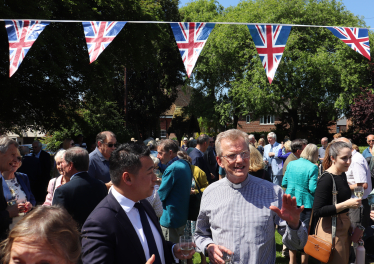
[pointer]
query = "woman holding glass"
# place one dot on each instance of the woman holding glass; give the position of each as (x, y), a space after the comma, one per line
(16, 188)
(336, 163)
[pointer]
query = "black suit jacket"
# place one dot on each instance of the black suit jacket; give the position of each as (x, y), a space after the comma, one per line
(80, 196)
(4, 214)
(199, 161)
(109, 237)
(210, 159)
(45, 164)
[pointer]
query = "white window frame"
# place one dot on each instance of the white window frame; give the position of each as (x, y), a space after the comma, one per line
(248, 119)
(268, 121)
(163, 133)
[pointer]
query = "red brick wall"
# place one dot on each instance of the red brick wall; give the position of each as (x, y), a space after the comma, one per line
(165, 123)
(255, 126)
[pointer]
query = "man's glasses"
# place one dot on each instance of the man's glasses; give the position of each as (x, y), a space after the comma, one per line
(370, 140)
(111, 145)
(233, 157)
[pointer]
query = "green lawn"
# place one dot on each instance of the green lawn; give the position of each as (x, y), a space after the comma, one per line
(279, 258)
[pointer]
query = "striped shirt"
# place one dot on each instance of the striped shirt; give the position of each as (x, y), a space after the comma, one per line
(238, 217)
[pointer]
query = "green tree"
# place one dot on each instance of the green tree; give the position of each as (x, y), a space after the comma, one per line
(317, 78)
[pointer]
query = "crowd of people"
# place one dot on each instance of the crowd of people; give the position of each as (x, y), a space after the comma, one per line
(131, 203)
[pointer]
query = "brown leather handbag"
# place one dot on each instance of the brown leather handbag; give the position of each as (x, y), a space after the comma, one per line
(317, 247)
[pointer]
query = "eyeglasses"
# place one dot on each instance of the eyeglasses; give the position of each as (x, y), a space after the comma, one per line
(233, 157)
(370, 140)
(111, 145)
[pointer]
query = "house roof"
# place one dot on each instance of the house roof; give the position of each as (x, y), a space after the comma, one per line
(183, 99)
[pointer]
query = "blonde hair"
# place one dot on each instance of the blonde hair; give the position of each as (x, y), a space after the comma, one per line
(310, 153)
(255, 160)
(231, 134)
(287, 146)
(261, 142)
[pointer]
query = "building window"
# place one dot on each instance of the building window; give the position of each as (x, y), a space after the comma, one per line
(267, 120)
(163, 133)
(337, 129)
(248, 119)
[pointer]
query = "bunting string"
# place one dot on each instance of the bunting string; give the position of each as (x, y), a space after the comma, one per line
(270, 39)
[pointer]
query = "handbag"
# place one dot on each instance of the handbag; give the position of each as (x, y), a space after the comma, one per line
(194, 205)
(317, 247)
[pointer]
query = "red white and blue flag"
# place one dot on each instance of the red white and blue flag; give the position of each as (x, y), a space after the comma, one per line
(270, 41)
(191, 38)
(21, 36)
(356, 38)
(99, 34)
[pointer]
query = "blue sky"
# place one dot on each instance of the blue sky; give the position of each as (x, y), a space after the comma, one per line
(363, 8)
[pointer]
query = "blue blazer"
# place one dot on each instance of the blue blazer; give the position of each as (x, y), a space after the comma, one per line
(23, 180)
(274, 162)
(108, 237)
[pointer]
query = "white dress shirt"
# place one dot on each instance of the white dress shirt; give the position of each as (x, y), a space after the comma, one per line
(134, 217)
(359, 172)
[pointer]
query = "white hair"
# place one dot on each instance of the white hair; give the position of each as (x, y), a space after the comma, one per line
(251, 136)
(60, 154)
(272, 135)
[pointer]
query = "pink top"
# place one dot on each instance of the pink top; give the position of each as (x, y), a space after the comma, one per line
(49, 198)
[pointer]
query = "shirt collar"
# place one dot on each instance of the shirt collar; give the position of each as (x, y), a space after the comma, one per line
(171, 161)
(354, 152)
(125, 203)
(238, 185)
(76, 174)
(102, 158)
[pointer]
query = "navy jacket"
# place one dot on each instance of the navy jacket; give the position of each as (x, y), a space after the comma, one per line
(199, 161)
(80, 196)
(108, 237)
(23, 180)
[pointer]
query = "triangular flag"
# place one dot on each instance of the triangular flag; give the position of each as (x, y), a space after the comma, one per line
(99, 34)
(191, 38)
(356, 38)
(21, 36)
(270, 41)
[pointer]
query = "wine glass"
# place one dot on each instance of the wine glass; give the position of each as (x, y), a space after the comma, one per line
(186, 245)
(359, 192)
(226, 257)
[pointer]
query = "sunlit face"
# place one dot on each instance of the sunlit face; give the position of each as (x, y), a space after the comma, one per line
(29, 251)
(324, 143)
(271, 140)
(370, 140)
(59, 165)
(145, 180)
(162, 155)
(343, 160)
(237, 170)
(8, 160)
(17, 164)
(106, 148)
(65, 167)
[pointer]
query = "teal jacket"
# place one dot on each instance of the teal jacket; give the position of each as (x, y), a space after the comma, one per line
(174, 194)
(301, 181)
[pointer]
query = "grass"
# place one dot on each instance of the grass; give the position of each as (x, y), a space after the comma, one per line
(279, 259)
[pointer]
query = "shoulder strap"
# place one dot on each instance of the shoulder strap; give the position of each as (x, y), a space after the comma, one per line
(334, 200)
(54, 185)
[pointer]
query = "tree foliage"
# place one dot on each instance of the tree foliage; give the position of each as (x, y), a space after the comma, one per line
(47, 90)
(318, 76)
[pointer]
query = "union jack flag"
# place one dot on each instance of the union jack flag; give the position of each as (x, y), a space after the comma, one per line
(99, 35)
(270, 41)
(21, 36)
(191, 38)
(356, 38)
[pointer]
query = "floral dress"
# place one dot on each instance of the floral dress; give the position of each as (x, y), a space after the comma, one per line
(18, 195)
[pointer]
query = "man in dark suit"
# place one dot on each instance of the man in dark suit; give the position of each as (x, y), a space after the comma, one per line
(45, 165)
(210, 158)
(82, 193)
(197, 156)
(124, 228)
(8, 157)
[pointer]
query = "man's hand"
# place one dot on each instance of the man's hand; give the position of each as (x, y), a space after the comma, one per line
(108, 185)
(372, 215)
(13, 210)
(289, 212)
(212, 176)
(271, 154)
(151, 259)
(215, 253)
(178, 252)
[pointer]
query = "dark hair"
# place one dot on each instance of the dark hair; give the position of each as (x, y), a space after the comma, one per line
(202, 139)
(297, 144)
(126, 158)
(102, 136)
(192, 143)
(47, 224)
(333, 150)
(168, 144)
(79, 157)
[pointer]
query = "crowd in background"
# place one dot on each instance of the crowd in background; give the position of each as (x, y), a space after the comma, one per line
(134, 201)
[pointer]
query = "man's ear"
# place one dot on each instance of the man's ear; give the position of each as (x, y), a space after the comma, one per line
(127, 178)
(219, 161)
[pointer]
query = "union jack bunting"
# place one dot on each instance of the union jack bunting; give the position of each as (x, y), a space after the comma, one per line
(21, 36)
(191, 38)
(99, 35)
(270, 41)
(356, 38)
